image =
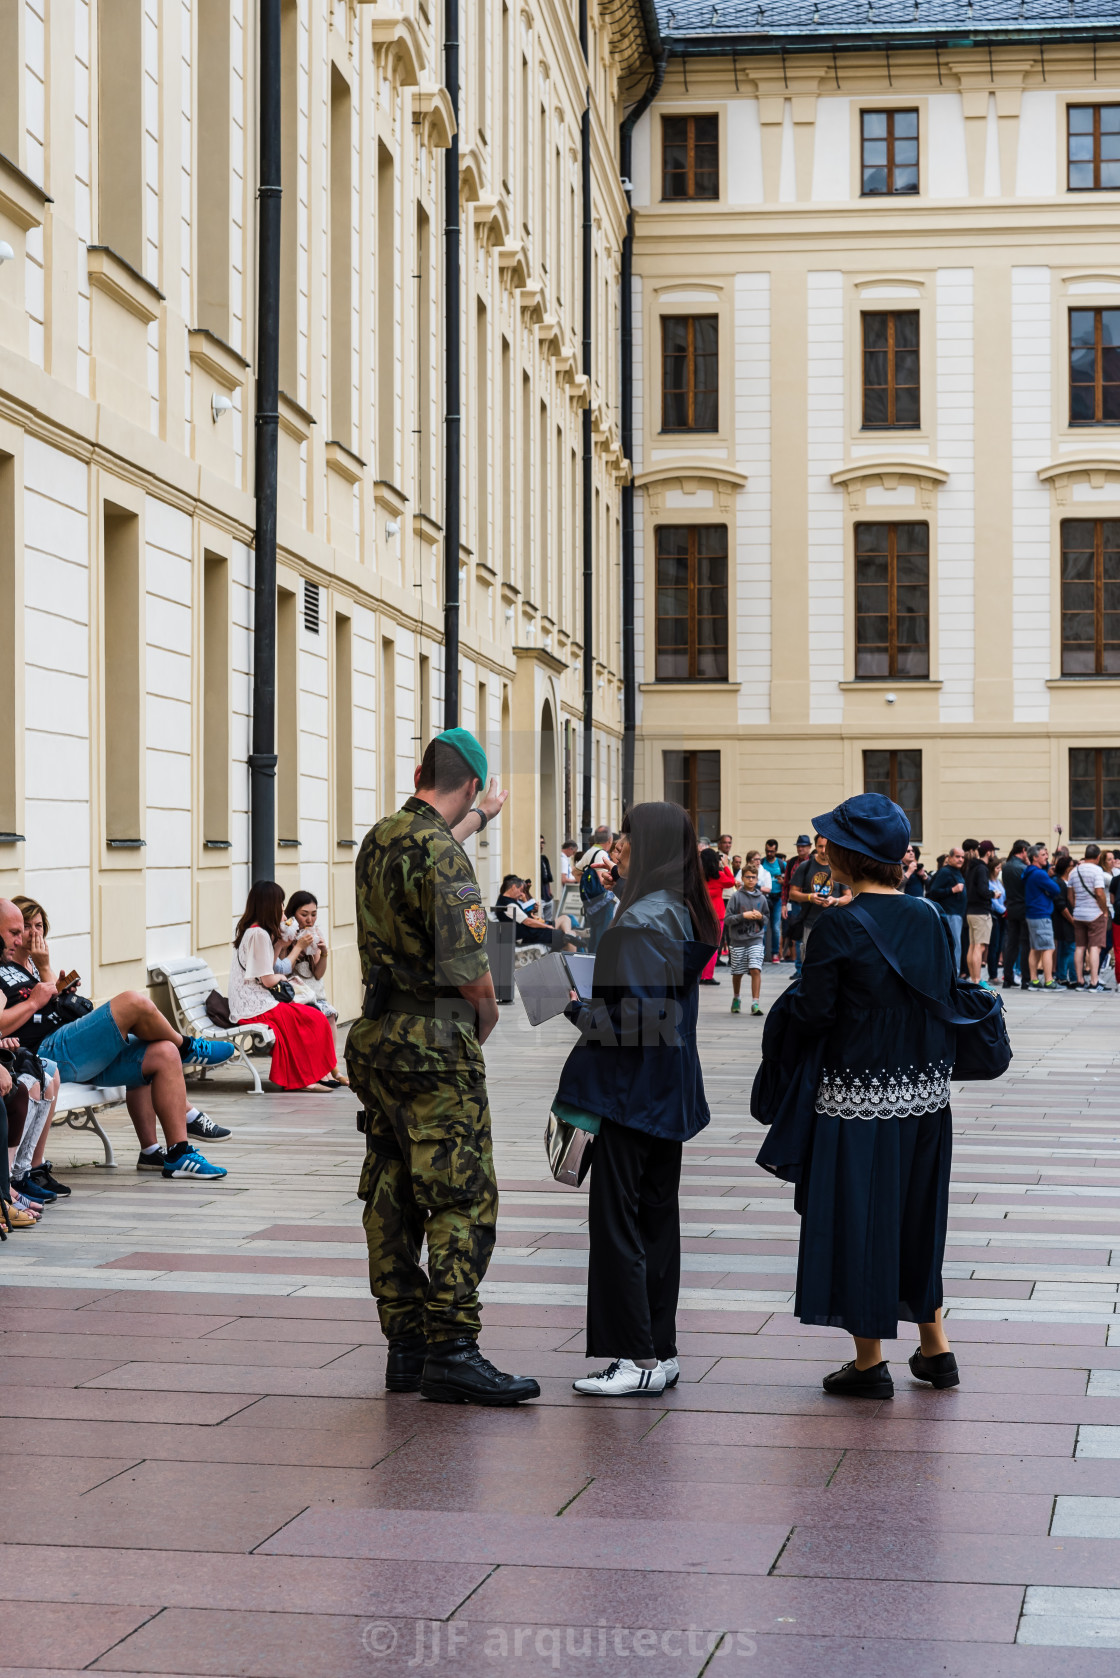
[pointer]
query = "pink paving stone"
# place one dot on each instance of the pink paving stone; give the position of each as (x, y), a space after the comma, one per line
(668, 1546)
(238, 1263)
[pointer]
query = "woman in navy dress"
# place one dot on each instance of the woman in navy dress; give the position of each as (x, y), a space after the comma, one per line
(875, 1200)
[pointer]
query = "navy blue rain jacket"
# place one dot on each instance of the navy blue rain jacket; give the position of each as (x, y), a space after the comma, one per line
(636, 1062)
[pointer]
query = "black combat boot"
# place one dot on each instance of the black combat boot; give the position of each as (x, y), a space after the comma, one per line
(405, 1363)
(455, 1372)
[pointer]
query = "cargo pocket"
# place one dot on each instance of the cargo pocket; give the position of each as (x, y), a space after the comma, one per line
(449, 1135)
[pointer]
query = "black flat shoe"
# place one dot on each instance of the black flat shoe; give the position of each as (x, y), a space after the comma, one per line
(939, 1371)
(850, 1382)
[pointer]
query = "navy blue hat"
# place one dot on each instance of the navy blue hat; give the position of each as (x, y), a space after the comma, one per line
(870, 824)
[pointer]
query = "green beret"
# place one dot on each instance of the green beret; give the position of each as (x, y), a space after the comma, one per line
(469, 749)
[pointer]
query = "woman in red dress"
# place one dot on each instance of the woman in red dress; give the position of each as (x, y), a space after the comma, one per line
(718, 878)
(304, 1053)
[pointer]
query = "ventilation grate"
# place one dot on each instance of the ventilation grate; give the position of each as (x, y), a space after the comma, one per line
(311, 608)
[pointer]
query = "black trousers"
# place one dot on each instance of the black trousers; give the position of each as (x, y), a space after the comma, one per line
(634, 1267)
(1016, 946)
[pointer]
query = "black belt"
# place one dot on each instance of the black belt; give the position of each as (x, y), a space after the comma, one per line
(449, 1007)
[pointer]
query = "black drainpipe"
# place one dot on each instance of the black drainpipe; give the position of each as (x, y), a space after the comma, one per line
(451, 465)
(629, 671)
(262, 758)
(588, 490)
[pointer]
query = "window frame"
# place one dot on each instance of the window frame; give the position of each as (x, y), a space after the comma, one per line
(1096, 108)
(1077, 837)
(691, 196)
(893, 753)
(690, 389)
(892, 675)
(891, 112)
(892, 387)
(1097, 310)
(691, 758)
(1098, 608)
(693, 617)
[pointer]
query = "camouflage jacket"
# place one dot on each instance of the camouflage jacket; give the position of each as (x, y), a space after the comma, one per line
(420, 913)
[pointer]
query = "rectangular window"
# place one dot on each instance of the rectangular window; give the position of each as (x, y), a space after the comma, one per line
(122, 640)
(385, 302)
(344, 730)
(215, 689)
(897, 775)
(690, 373)
(690, 157)
(340, 220)
(892, 601)
(1094, 792)
(287, 721)
(891, 380)
(121, 141)
(213, 264)
(1090, 597)
(888, 152)
(290, 135)
(1094, 367)
(692, 780)
(692, 603)
(1093, 147)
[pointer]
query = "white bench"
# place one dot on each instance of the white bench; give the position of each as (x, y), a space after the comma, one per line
(189, 982)
(78, 1106)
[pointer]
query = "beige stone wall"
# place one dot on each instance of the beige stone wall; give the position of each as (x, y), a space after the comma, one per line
(991, 252)
(126, 442)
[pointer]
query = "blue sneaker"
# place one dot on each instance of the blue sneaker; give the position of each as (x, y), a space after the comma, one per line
(191, 1164)
(33, 1191)
(206, 1051)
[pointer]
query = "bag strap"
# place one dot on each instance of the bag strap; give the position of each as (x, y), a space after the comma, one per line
(940, 1010)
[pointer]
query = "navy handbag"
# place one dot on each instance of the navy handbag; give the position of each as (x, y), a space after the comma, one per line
(983, 1046)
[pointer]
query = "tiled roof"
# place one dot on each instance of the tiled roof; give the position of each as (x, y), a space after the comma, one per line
(800, 20)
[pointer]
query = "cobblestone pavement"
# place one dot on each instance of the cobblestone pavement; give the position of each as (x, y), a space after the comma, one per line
(204, 1476)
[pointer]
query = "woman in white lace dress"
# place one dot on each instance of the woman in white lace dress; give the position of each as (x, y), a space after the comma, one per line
(304, 1053)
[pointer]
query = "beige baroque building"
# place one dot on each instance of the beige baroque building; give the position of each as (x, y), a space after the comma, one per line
(127, 333)
(877, 436)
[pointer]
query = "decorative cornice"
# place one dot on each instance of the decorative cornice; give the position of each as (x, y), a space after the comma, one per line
(397, 40)
(216, 357)
(344, 462)
(431, 109)
(1096, 470)
(491, 219)
(471, 176)
(118, 279)
(513, 267)
(529, 299)
(889, 473)
(22, 200)
(541, 655)
(691, 478)
(295, 421)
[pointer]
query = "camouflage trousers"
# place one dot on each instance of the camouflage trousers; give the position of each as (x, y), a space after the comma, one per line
(428, 1173)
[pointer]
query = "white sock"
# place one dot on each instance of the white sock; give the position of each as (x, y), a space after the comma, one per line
(193, 1113)
(154, 1149)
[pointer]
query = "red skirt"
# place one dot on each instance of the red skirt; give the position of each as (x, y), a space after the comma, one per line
(304, 1050)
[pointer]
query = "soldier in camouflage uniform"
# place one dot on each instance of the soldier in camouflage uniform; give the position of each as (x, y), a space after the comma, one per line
(415, 1060)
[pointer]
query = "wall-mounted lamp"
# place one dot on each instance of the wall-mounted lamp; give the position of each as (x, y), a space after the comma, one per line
(7, 254)
(219, 405)
(891, 697)
(509, 614)
(392, 528)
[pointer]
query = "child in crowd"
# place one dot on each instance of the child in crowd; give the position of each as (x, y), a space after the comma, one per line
(747, 915)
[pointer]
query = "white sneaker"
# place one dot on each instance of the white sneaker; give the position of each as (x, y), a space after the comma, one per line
(671, 1370)
(622, 1376)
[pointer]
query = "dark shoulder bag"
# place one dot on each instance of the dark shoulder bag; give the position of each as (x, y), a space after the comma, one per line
(983, 1046)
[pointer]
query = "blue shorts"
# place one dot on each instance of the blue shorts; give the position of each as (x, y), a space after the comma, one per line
(94, 1050)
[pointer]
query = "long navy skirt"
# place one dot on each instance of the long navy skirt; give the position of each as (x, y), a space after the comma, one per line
(873, 1219)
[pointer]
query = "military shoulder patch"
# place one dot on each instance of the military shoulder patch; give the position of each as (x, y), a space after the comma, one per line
(465, 893)
(475, 916)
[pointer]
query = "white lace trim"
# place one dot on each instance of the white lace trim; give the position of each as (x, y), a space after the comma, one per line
(901, 1094)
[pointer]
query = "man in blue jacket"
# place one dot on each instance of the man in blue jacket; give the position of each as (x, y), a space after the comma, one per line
(1040, 893)
(947, 890)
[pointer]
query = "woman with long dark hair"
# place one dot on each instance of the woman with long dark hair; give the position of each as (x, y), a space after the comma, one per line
(636, 1069)
(304, 1051)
